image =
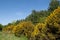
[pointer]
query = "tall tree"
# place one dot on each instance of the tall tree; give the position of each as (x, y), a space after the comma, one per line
(37, 16)
(53, 5)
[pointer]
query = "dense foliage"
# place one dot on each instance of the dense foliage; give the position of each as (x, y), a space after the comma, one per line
(53, 5)
(39, 25)
(1, 26)
(53, 23)
(36, 16)
(24, 28)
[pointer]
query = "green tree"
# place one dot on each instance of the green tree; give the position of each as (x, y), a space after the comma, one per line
(35, 16)
(1, 26)
(53, 5)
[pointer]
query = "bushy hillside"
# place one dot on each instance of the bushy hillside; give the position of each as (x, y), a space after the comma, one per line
(39, 25)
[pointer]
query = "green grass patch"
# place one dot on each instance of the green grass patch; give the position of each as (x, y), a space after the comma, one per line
(4, 36)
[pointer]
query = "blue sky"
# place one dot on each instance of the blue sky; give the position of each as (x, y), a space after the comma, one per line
(11, 10)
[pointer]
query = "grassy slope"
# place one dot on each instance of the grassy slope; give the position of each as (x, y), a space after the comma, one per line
(4, 36)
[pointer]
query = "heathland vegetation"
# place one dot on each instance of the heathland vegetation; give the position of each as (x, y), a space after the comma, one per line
(39, 25)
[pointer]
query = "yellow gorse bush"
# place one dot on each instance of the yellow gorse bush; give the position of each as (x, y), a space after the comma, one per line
(38, 29)
(54, 16)
(25, 28)
(53, 21)
(8, 29)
